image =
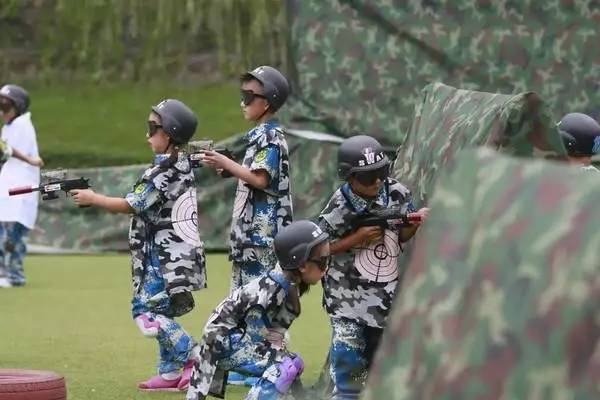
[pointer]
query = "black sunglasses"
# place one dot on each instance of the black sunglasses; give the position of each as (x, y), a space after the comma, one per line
(153, 127)
(322, 262)
(368, 178)
(248, 96)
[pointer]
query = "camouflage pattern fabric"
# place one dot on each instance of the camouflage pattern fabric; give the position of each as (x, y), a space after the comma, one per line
(231, 342)
(164, 224)
(502, 295)
(13, 248)
(259, 214)
(448, 119)
(360, 284)
(359, 65)
(174, 343)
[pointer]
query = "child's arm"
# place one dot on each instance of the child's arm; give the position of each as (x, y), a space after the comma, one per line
(258, 179)
(35, 161)
(87, 197)
(362, 235)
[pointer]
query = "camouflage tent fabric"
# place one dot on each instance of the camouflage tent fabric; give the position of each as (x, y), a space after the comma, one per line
(502, 295)
(360, 64)
(447, 120)
(61, 226)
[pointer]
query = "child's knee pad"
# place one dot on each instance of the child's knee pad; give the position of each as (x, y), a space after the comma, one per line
(289, 369)
(148, 326)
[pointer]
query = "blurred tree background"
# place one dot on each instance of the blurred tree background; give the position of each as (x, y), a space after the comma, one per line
(94, 67)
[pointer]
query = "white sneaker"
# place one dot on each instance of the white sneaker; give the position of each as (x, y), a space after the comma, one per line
(4, 283)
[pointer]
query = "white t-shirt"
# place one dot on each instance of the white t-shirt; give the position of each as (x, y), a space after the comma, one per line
(20, 135)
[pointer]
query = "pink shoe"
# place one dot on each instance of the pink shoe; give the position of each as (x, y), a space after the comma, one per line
(149, 328)
(159, 384)
(184, 382)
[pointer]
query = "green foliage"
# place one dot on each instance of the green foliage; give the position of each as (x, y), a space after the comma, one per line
(74, 317)
(99, 40)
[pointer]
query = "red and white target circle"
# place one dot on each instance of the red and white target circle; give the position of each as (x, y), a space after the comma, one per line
(184, 217)
(379, 261)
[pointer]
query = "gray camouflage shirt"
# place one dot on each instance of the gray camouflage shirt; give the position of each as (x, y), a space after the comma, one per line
(166, 220)
(360, 283)
(259, 214)
(265, 304)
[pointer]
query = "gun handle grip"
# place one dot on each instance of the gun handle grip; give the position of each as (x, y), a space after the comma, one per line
(19, 190)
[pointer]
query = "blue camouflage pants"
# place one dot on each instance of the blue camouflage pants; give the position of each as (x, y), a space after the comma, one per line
(352, 349)
(174, 343)
(257, 261)
(13, 247)
(254, 359)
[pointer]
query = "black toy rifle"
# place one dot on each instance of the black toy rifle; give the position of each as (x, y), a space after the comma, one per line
(386, 218)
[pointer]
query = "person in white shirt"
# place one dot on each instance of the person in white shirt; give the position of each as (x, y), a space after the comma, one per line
(17, 214)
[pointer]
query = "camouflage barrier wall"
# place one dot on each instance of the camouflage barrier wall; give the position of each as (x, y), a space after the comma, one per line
(61, 226)
(447, 120)
(360, 64)
(502, 294)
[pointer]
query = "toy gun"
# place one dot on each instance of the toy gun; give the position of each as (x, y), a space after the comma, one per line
(54, 182)
(196, 148)
(386, 218)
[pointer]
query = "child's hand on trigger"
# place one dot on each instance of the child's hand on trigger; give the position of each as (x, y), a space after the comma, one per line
(369, 234)
(83, 197)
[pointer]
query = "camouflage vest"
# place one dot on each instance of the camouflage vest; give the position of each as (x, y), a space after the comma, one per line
(361, 283)
(169, 227)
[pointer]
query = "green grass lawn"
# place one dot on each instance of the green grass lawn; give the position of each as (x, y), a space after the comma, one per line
(82, 125)
(73, 317)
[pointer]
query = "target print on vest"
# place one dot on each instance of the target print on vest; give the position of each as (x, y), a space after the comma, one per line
(241, 197)
(379, 261)
(184, 217)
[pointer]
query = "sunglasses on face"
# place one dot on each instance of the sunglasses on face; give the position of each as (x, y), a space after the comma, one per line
(153, 127)
(321, 262)
(248, 96)
(368, 178)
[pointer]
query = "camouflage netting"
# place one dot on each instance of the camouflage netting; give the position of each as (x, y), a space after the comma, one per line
(63, 226)
(502, 296)
(447, 120)
(360, 64)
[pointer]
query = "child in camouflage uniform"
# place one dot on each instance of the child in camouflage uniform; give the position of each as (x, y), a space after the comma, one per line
(235, 336)
(360, 284)
(262, 203)
(166, 252)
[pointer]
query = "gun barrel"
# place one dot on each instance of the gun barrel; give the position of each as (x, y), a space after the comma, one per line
(21, 190)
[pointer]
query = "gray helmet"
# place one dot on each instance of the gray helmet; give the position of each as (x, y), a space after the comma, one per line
(276, 87)
(580, 134)
(360, 153)
(294, 243)
(18, 96)
(178, 120)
